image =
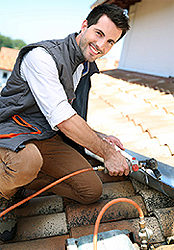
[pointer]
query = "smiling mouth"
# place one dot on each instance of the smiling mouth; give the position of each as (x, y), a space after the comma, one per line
(93, 49)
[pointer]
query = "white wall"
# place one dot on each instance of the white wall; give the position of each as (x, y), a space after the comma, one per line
(149, 45)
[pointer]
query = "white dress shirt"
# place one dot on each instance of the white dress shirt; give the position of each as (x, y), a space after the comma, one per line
(39, 69)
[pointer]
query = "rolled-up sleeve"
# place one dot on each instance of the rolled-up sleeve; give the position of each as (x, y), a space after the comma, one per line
(39, 70)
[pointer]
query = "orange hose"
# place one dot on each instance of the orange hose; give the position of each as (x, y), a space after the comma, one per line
(44, 189)
(103, 211)
(100, 214)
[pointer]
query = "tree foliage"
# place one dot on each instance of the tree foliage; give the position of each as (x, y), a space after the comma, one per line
(11, 43)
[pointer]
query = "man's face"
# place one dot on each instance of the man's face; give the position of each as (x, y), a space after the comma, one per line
(98, 39)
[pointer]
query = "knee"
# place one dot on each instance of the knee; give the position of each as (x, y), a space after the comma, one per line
(29, 163)
(33, 161)
(93, 194)
(19, 169)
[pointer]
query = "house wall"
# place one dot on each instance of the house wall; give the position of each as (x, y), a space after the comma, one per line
(3, 79)
(149, 45)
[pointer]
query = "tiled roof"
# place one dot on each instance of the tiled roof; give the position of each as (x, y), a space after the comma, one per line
(7, 58)
(135, 113)
(143, 119)
(122, 3)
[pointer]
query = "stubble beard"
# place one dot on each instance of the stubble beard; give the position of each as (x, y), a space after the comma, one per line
(84, 46)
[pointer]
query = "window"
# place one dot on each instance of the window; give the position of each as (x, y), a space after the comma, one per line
(4, 75)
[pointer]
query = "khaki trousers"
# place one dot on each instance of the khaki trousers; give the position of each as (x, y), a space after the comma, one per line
(42, 162)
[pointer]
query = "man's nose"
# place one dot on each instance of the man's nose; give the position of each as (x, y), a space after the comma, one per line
(101, 44)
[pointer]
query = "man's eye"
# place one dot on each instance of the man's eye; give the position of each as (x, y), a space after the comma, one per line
(111, 43)
(98, 33)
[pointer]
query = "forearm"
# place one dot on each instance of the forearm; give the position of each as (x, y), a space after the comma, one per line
(111, 139)
(101, 135)
(78, 130)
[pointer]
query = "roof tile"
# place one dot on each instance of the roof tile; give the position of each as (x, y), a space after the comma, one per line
(146, 122)
(53, 243)
(7, 58)
(110, 190)
(41, 205)
(41, 226)
(165, 218)
(87, 214)
(152, 198)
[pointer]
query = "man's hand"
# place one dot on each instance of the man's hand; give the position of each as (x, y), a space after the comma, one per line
(116, 163)
(115, 141)
(111, 139)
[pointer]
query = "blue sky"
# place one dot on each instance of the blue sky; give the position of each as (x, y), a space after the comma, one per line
(36, 20)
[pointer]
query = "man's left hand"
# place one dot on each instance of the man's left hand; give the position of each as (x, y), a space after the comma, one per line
(114, 140)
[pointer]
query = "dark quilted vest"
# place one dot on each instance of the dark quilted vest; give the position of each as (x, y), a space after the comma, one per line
(16, 97)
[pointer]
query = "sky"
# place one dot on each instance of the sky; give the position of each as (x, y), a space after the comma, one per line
(36, 20)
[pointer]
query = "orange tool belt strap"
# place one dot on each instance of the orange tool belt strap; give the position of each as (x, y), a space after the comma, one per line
(23, 123)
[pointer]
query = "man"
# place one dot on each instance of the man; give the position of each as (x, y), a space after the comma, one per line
(45, 102)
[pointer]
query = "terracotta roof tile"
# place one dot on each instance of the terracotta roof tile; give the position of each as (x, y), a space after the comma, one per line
(110, 190)
(53, 243)
(159, 83)
(7, 58)
(139, 104)
(41, 226)
(42, 205)
(153, 199)
(87, 214)
(165, 217)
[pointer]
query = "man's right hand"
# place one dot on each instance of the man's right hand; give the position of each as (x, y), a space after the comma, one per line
(116, 163)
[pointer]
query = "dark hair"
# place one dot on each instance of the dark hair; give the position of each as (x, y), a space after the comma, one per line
(115, 13)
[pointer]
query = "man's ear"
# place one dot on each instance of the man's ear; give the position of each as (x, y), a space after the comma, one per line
(84, 25)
